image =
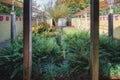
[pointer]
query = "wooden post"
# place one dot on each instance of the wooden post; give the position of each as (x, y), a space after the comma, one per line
(110, 24)
(13, 26)
(94, 45)
(27, 65)
(13, 23)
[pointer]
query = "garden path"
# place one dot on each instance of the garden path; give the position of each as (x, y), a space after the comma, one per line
(4, 44)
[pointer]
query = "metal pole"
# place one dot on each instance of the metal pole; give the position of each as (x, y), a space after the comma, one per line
(110, 23)
(13, 23)
(94, 36)
(27, 30)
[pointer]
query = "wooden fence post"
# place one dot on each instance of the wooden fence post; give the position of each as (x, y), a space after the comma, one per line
(27, 30)
(110, 24)
(94, 45)
(13, 24)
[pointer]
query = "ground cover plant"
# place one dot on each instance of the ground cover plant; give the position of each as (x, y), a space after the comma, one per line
(64, 56)
(44, 29)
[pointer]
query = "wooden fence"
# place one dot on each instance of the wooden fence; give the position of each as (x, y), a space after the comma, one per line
(81, 23)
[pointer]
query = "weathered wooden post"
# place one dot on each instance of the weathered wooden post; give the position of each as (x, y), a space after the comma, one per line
(94, 36)
(27, 65)
(110, 24)
(13, 23)
(110, 18)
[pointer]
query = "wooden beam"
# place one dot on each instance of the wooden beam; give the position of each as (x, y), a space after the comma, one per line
(27, 40)
(94, 46)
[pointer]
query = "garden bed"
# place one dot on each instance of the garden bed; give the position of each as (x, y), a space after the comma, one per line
(62, 56)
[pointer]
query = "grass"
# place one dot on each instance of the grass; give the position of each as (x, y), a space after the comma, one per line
(71, 30)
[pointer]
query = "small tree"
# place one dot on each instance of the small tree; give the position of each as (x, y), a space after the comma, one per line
(58, 11)
(75, 5)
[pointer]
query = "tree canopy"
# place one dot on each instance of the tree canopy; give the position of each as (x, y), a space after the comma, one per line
(75, 5)
(6, 9)
(58, 11)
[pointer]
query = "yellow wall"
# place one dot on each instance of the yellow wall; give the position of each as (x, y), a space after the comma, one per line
(76, 22)
(49, 21)
(103, 25)
(5, 27)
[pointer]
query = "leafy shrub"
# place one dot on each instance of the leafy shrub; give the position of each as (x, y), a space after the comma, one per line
(48, 34)
(11, 60)
(109, 49)
(104, 68)
(115, 71)
(77, 46)
(48, 59)
(45, 47)
(59, 34)
(44, 29)
(45, 51)
(77, 51)
(54, 71)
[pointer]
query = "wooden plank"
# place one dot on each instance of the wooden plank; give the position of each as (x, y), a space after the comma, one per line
(94, 45)
(27, 40)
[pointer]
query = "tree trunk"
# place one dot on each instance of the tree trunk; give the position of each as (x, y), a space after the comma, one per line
(56, 23)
